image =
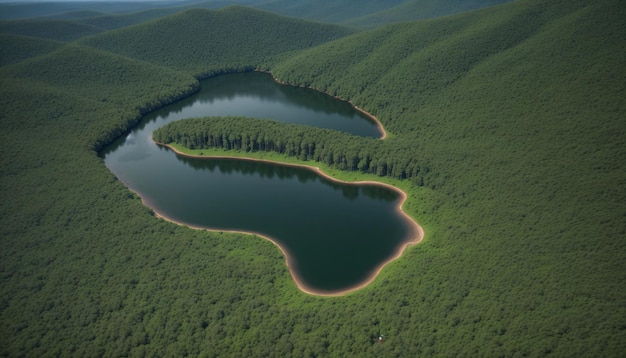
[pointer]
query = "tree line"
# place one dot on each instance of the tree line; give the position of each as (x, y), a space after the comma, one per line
(337, 149)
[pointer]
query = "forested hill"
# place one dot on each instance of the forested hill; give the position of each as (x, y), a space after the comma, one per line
(100, 78)
(333, 12)
(75, 9)
(520, 111)
(418, 10)
(353, 13)
(203, 42)
(60, 30)
(431, 58)
(372, 13)
(521, 101)
(71, 21)
(16, 48)
(517, 111)
(115, 21)
(73, 25)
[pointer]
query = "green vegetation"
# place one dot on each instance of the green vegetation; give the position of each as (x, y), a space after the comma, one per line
(111, 22)
(195, 41)
(15, 10)
(517, 110)
(334, 12)
(353, 13)
(16, 48)
(59, 30)
(372, 13)
(417, 10)
(335, 149)
(116, 83)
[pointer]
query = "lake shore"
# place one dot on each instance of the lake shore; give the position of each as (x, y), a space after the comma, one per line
(367, 114)
(416, 232)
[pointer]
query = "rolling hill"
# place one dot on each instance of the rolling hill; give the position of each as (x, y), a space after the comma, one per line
(14, 10)
(417, 10)
(360, 14)
(334, 12)
(372, 13)
(201, 41)
(115, 21)
(16, 48)
(59, 30)
(518, 110)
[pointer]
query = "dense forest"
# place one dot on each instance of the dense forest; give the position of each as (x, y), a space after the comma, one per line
(335, 149)
(193, 41)
(516, 111)
(353, 13)
(366, 14)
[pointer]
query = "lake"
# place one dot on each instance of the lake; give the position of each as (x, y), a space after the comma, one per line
(335, 235)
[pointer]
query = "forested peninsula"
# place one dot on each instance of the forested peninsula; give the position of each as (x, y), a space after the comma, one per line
(335, 149)
(506, 131)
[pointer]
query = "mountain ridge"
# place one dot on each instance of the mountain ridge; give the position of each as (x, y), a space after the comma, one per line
(200, 41)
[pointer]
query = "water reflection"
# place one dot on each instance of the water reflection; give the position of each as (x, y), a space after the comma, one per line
(266, 170)
(261, 86)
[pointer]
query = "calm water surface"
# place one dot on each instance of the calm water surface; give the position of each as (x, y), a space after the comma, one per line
(335, 234)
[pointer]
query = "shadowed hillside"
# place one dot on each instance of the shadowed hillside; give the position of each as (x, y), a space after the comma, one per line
(520, 113)
(99, 78)
(60, 9)
(16, 48)
(113, 21)
(417, 10)
(354, 13)
(60, 30)
(372, 13)
(334, 12)
(203, 42)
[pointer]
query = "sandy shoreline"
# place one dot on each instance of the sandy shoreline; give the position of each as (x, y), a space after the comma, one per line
(416, 233)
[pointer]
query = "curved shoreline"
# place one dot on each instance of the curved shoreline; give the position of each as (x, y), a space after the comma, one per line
(416, 233)
(367, 114)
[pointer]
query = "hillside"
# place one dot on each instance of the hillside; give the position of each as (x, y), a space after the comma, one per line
(333, 12)
(102, 79)
(14, 10)
(371, 13)
(72, 25)
(417, 10)
(203, 42)
(112, 21)
(517, 110)
(16, 48)
(60, 30)
(353, 13)
(426, 57)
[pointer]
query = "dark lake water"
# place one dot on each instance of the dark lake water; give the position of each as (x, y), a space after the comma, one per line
(336, 235)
